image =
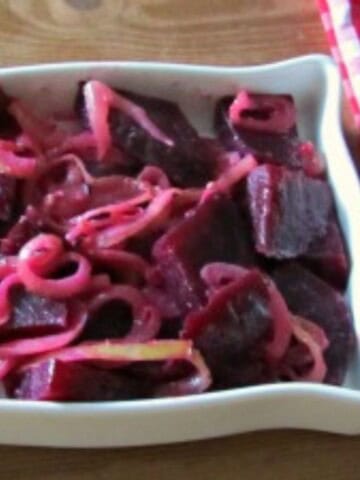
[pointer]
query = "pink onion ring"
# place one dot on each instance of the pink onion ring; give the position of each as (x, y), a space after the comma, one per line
(146, 318)
(281, 112)
(307, 333)
(42, 255)
(217, 274)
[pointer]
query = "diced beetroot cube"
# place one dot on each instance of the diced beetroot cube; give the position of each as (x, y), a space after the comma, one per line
(289, 211)
(7, 197)
(230, 331)
(212, 232)
(327, 257)
(33, 316)
(312, 298)
(272, 147)
(58, 381)
(188, 163)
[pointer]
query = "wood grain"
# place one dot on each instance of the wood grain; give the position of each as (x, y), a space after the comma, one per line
(206, 31)
(202, 31)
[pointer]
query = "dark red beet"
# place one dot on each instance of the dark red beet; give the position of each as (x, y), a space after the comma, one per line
(289, 211)
(327, 257)
(230, 331)
(279, 148)
(188, 163)
(33, 316)
(58, 381)
(210, 233)
(312, 298)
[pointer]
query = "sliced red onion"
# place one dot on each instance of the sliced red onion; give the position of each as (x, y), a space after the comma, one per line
(317, 333)
(218, 274)
(316, 342)
(93, 220)
(240, 103)
(97, 284)
(154, 215)
(282, 328)
(119, 353)
(198, 382)
(99, 98)
(279, 112)
(231, 176)
(146, 317)
(17, 166)
(42, 255)
(77, 317)
(129, 265)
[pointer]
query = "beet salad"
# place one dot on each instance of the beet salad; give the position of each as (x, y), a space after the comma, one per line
(140, 259)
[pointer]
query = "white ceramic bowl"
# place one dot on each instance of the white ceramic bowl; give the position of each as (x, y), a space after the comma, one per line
(314, 82)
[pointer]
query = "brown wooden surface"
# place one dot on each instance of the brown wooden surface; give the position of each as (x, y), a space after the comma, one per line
(203, 31)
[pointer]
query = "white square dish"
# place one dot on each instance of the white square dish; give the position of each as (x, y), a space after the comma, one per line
(314, 83)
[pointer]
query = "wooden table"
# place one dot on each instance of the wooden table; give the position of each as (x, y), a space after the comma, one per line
(206, 31)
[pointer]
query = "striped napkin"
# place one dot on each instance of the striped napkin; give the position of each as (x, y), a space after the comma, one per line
(341, 20)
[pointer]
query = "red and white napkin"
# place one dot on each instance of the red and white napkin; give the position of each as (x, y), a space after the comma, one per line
(341, 20)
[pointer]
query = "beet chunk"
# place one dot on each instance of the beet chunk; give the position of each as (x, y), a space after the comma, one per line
(312, 298)
(188, 163)
(327, 257)
(230, 332)
(272, 147)
(59, 381)
(288, 210)
(210, 233)
(33, 316)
